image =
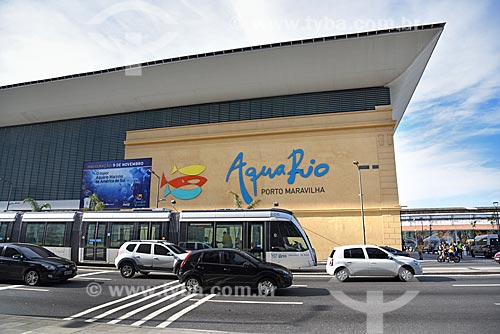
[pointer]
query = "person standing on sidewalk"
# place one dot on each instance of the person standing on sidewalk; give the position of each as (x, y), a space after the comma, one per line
(420, 247)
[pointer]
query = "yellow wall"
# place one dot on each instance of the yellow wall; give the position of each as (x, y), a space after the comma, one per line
(332, 217)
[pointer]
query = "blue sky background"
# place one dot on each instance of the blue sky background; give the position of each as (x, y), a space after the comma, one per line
(447, 145)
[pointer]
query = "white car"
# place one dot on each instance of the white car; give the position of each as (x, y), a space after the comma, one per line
(369, 260)
(145, 256)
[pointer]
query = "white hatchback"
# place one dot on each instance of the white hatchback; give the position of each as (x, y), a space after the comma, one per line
(368, 260)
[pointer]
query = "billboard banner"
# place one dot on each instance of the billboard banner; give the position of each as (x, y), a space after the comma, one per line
(120, 184)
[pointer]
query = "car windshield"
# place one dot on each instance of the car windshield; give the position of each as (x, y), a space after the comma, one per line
(36, 252)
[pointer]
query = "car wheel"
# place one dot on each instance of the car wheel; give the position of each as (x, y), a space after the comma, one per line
(193, 285)
(342, 275)
(405, 274)
(31, 278)
(266, 287)
(127, 270)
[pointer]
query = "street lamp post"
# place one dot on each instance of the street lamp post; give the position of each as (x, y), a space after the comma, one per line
(356, 163)
(150, 171)
(495, 204)
(10, 192)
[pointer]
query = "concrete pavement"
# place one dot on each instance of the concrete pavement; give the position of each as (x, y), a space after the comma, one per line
(13, 324)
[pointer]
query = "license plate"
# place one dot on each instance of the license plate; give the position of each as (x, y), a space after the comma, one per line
(68, 272)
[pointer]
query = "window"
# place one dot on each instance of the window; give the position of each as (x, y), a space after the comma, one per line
(333, 252)
(3, 232)
(198, 235)
(211, 257)
(229, 235)
(144, 249)
(131, 247)
(375, 253)
(160, 250)
(354, 253)
(10, 252)
(55, 234)
(286, 237)
(233, 259)
(34, 233)
(121, 233)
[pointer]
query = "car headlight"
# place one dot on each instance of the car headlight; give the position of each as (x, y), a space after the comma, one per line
(283, 272)
(49, 267)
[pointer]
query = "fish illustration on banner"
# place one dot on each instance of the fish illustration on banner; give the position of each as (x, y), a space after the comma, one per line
(185, 187)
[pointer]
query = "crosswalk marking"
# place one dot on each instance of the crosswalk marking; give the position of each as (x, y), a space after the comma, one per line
(10, 287)
(184, 311)
(140, 309)
(116, 309)
(162, 310)
(117, 301)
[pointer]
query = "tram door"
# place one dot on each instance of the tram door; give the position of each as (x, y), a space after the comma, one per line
(256, 240)
(95, 242)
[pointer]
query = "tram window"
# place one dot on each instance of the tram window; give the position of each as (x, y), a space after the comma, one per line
(34, 233)
(286, 237)
(55, 234)
(3, 231)
(155, 231)
(144, 249)
(143, 231)
(121, 233)
(199, 236)
(229, 235)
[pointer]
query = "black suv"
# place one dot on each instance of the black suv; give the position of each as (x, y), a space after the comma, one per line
(231, 267)
(33, 264)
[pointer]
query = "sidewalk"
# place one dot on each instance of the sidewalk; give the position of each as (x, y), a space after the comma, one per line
(13, 324)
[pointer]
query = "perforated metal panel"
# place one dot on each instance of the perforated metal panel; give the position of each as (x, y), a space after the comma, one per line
(45, 160)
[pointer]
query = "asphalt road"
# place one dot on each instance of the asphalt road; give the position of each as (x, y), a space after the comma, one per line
(316, 303)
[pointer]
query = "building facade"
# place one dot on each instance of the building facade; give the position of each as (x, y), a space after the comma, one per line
(274, 123)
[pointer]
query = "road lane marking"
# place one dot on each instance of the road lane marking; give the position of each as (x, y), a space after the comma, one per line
(10, 287)
(117, 301)
(32, 289)
(476, 285)
(298, 286)
(497, 304)
(255, 302)
(184, 311)
(145, 307)
(124, 306)
(162, 310)
(93, 278)
(94, 273)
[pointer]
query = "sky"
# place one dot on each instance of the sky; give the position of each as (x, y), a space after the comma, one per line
(448, 143)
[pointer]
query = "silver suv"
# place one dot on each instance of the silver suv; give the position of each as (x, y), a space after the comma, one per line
(145, 256)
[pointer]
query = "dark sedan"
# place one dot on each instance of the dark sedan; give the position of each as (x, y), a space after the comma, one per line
(33, 264)
(395, 251)
(231, 267)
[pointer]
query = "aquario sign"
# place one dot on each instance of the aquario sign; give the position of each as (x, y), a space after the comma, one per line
(295, 169)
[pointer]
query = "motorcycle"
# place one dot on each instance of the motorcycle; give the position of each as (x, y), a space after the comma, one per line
(448, 257)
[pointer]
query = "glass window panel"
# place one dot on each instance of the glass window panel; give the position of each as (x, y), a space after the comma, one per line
(199, 236)
(229, 235)
(211, 257)
(34, 233)
(143, 231)
(160, 250)
(155, 231)
(121, 233)
(55, 234)
(3, 232)
(144, 249)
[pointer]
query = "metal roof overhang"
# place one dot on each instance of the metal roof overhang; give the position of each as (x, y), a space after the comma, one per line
(395, 58)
